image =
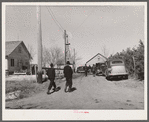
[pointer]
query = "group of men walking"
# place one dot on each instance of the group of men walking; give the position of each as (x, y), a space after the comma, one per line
(93, 69)
(67, 74)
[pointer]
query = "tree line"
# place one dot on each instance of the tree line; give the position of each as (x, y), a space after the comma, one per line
(56, 56)
(134, 60)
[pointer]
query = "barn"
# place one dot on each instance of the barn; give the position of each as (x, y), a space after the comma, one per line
(17, 57)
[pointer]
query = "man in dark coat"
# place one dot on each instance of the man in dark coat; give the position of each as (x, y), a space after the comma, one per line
(68, 75)
(51, 77)
(94, 70)
(86, 70)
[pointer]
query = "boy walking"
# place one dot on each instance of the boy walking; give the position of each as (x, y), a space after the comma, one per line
(86, 70)
(94, 70)
(51, 77)
(68, 75)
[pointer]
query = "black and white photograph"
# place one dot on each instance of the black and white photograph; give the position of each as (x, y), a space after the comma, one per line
(74, 61)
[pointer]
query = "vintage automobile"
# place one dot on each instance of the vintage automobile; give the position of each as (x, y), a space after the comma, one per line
(99, 68)
(116, 69)
(98, 72)
(103, 69)
(81, 69)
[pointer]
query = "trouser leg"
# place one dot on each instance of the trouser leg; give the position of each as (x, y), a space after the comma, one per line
(52, 83)
(85, 73)
(66, 85)
(94, 73)
(70, 84)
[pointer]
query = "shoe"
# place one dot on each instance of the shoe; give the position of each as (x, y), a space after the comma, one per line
(69, 90)
(54, 89)
(48, 92)
(65, 90)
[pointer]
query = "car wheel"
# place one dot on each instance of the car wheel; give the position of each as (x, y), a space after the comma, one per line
(107, 77)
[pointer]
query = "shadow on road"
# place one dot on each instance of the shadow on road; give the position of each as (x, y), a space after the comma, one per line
(116, 79)
(57, 89)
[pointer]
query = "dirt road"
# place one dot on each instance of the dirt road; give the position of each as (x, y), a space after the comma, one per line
(91, 93)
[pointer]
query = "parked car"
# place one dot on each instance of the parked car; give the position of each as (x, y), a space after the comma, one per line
(103, 69)
(116, 69)
(81, 69)
(99, 68)
(98, 72)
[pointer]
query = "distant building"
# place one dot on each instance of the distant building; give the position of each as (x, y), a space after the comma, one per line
(17, 57)
(98, 58)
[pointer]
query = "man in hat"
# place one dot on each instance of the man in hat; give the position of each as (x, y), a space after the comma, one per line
(68, 75)
(94, 70)
(86, 70)
(51, 77)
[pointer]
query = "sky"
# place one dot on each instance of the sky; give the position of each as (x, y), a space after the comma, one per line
(89, 28)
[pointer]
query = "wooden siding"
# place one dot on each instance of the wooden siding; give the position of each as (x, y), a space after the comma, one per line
(22, 56)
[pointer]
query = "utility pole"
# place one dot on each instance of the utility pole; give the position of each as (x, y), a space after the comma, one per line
(74, 62)
(74, 55)
(66, 46)
(39, 41)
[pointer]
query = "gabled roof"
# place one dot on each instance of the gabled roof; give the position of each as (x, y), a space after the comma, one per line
(95, 56)
(12, 45)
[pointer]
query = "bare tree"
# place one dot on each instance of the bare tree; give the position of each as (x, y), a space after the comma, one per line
(32, 53)
(45, 56)
(74, 57)
(105, 51)
(52, 55)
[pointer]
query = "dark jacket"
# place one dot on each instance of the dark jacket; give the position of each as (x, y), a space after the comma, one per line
(51, 73)
(68, 72)
(86, 68)
(93, 68)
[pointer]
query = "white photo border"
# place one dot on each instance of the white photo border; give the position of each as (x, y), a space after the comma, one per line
(69, 114)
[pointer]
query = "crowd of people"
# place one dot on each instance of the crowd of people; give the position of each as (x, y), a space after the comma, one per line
(92, 69)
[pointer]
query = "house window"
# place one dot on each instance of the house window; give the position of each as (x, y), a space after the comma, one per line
(19, 49)
(18, 62)
(12, 62)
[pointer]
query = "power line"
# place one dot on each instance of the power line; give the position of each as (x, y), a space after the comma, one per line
(55, 20)
(83, 21)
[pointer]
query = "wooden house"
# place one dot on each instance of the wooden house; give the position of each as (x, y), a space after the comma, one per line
(17, 57)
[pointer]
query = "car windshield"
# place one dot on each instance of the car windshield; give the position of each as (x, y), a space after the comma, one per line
(117, 62)
(81, 67)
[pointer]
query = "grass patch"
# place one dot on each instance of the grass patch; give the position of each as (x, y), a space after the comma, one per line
(27, 85)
